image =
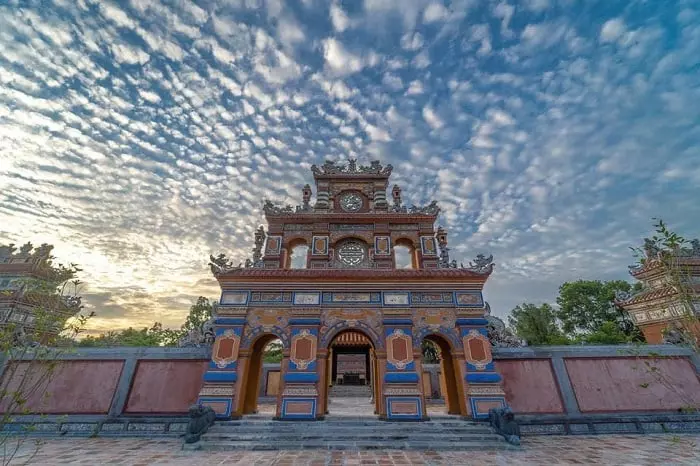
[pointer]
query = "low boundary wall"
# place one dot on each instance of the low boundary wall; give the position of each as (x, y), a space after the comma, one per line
(553, 390)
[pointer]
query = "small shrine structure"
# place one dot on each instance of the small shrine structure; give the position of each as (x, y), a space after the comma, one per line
(667, 308)
(348, 290)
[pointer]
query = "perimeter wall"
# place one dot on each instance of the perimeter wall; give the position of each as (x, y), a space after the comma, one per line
(558, 390)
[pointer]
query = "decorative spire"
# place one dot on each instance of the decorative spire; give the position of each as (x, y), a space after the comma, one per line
(259, 241)
(396, 195)
(444, 250)
(306, 197)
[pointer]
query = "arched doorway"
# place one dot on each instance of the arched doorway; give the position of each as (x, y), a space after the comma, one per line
(446, 381)
(352, 372)
(259, 382)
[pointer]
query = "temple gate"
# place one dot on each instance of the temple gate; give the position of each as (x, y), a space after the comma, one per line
(348, 286)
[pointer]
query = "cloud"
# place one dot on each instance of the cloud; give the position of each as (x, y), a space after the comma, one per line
(612, 30)
(342, 61)
(435, 12)
(141, 137)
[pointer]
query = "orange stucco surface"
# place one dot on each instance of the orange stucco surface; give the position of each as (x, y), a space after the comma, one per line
(167, 387)
(633, 384)
(530, 386)
(71, 387)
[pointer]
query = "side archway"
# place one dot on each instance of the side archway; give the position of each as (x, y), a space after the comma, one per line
(450, 373)
(252, 373)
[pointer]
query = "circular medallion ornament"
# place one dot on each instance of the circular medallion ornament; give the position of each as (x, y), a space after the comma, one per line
(351, 202)
(351, 253)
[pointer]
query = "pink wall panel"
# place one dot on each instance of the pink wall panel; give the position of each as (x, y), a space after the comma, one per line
(628, 384)
(78, 387)
(530, 386)
(162, 386)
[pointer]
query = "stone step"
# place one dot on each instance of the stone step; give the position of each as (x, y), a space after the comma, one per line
(349, 429)
(360, 445)
(340, 437)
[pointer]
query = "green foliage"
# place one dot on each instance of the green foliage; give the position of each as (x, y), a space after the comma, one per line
(586, 305)
(273, 352)
(536, 324)
(200, 312)
(609, 333)
(155, 335)
(431, 353)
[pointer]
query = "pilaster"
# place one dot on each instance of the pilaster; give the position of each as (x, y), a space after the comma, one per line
(484, 388)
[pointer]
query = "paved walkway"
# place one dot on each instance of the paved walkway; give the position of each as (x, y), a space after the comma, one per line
(607, 450)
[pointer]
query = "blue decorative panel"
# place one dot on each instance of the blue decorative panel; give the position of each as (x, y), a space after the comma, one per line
(471, 298)
(473, 322)
(271, 297)
(401, 377)
(439, 298)
(229, 321)
(354, 297)
(305, 321)
(227, 376)
(408, 408)
(396, 298)
(298, 408)
(491, 377)
(234, 298)
(428, 246)
(407, 322)
(307, 298)
(301, 377)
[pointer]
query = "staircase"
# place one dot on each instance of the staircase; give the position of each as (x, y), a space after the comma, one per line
(258, 432)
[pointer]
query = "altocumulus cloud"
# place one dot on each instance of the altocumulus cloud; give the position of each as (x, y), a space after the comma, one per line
(140, 136)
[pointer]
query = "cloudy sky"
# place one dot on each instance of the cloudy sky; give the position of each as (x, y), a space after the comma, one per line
(140, 136)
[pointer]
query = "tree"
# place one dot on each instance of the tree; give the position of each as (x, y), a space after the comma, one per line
(155, 335)
(200, 312)
(585, 305)
(536, 324)
(273, 351)
(609, 333)
(44, 308)
(431, 353)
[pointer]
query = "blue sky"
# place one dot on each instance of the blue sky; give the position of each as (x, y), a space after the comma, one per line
(141, 136)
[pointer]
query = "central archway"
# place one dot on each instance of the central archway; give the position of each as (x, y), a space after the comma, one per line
(351, 388)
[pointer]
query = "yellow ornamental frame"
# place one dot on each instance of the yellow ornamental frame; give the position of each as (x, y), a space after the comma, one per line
(477, 349)
(225, 349)
(301, 338)
(398, 337)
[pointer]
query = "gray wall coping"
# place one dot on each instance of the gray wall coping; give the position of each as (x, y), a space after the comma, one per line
(591, 351)
(129, 352)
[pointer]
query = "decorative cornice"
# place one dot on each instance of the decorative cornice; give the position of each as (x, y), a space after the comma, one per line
(417, 214)
(400, 274)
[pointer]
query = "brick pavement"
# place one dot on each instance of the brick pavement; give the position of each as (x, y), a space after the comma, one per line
(608, 450)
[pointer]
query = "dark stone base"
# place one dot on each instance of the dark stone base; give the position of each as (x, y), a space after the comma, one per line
(609, 424)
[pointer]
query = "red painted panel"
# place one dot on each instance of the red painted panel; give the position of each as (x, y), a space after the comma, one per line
(165, 386)
(530, 386)
(629, 384)
(71, 387)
